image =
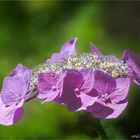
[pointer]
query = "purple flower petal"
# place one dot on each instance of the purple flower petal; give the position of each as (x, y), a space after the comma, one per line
(121, 91)
(21, 71)
(10, 114)
(73, 79)
(104, 83)
(66, 50)
(137, 80)
(110, 111)
(57, 57)
(134, 61)
(13, 90)
(70, 99)
(69, 48)
(111, 57)
(100, 55)
(88, 77)
(95, 50)
(118, 109)
(18, 115)
(50, 96)
(88, 99)
(100, 110)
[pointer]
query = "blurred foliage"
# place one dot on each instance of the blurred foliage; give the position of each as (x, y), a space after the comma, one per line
(30, 31)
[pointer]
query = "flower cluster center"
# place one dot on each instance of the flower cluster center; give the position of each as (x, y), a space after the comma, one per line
(116, 68)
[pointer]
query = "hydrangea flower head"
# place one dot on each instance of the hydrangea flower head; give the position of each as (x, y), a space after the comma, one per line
(90, 82)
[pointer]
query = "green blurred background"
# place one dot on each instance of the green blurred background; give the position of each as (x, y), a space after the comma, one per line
(30, 31)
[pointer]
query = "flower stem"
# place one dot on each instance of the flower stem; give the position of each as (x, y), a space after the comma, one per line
(29, 99)
(30, 96)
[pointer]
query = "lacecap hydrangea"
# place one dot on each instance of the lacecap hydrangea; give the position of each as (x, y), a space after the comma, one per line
(90, 82)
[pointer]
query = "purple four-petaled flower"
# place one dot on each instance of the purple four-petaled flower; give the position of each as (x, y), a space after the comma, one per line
(13, 94)
(112, 95)
(50, 86)
(78, 92)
